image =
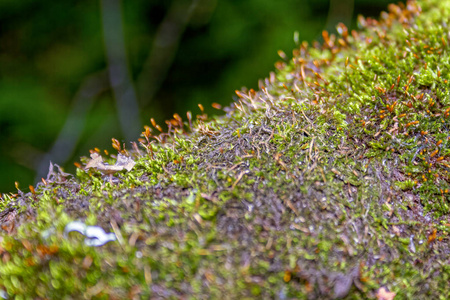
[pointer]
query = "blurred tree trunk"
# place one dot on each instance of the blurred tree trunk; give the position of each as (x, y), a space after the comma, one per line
(70, 134)
(164, 48)
(118, 71)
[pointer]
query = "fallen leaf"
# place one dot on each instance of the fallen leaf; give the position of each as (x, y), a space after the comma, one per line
(96, 160)
(123, 163)
(384, 294)
(56, 176)
(126, 162)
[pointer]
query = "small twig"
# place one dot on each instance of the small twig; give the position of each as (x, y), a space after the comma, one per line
(117, 233)
(239, 178)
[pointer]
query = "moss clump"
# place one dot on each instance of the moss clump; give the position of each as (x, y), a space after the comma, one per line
(331, 181)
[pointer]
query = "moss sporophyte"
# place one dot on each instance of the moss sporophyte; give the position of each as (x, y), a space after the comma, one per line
(329, 181)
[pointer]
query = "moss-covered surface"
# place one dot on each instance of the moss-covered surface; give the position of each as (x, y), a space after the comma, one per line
(331, 181)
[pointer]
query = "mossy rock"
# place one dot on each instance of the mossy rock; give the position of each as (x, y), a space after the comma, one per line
(330, 181)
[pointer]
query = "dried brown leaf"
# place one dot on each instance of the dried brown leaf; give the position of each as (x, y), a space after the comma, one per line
(123, 163)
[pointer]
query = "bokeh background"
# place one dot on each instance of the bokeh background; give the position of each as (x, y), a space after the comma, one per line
(75, 73)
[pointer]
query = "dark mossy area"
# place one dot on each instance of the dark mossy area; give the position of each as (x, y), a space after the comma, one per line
(329, 182)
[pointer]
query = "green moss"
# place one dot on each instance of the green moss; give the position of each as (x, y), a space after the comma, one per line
(331, 181)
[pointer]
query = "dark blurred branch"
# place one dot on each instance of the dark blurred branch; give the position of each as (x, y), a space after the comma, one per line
(119, 74)
(164, 48)
(70, 134)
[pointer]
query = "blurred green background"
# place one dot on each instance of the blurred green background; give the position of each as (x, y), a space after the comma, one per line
(75, 73)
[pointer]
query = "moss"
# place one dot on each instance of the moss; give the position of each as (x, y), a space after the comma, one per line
(330, 181)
